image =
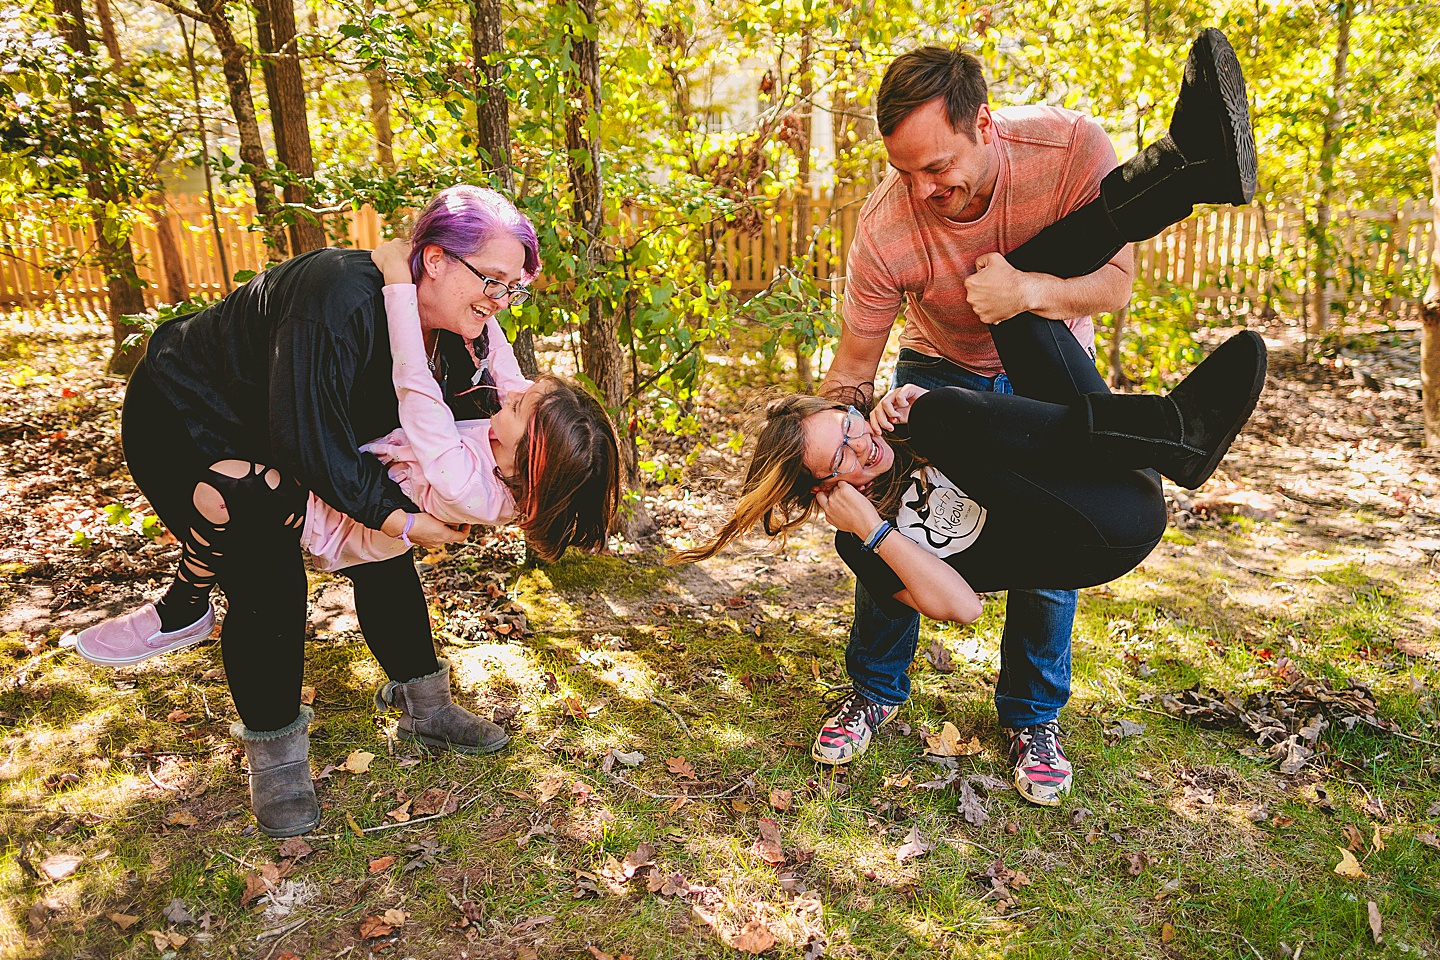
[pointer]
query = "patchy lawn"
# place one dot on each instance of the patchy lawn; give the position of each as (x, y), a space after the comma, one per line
(658, 799)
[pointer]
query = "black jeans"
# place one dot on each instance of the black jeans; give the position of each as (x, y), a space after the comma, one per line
(257, 560)
(1060, 515)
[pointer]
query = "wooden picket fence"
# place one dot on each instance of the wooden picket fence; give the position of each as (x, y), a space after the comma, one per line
(1233, 260)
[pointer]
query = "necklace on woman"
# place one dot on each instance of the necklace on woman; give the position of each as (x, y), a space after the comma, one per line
(431, 360)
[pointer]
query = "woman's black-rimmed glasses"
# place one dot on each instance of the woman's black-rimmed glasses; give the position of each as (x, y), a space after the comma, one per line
(496, 290)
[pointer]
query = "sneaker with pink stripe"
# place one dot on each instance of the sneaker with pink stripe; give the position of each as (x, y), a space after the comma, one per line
(1042, 774)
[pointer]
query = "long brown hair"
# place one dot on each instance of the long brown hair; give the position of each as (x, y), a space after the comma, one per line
(567, 473)
(779, 490)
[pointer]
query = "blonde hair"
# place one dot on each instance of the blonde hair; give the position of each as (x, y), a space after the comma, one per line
(779, 490)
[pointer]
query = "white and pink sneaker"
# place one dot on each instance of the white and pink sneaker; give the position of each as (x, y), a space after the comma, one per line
(137, 636)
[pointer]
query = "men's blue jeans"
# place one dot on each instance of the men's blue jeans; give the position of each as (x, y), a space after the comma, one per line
(1035, 648)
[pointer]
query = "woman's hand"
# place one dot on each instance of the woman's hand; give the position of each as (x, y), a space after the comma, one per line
(848, 509)
(426, 531)
(393, 259)
(894, 407)
(429, 532)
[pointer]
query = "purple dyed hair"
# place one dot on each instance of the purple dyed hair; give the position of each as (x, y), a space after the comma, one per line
(463, 218)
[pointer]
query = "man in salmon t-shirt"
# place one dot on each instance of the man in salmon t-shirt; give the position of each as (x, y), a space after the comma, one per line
(968, 185)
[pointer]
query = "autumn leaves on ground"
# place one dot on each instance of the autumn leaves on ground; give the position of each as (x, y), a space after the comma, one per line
(1254, 726)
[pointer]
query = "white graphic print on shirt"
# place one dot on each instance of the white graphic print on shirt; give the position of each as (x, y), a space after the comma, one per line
(937, 514)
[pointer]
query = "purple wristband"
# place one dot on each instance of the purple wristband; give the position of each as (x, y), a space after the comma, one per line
(405, 534)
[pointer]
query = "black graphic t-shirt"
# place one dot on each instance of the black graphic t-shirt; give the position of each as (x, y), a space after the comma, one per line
(934, 513)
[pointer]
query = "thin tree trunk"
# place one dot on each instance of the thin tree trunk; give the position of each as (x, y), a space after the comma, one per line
(600, 355)
(804, 369)
(285, 89)
(234, 60)
(117, 259)
(1430, 310)
(380, 118)
(172, 267)
(492, 110)
(492, 128)
(1116, 354)
(189, 37)
(1329, 150)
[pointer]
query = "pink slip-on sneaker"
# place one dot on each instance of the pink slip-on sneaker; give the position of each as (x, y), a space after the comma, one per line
(137, 636)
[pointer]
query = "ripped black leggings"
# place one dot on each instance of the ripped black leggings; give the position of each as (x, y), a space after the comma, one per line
(239, 523)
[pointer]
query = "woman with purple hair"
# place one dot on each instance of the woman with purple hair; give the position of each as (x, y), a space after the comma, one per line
(240, 413)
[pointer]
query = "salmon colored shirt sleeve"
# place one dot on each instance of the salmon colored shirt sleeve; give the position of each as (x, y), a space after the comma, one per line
(459, 467)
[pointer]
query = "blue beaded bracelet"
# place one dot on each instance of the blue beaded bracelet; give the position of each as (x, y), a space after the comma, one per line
(879, 534)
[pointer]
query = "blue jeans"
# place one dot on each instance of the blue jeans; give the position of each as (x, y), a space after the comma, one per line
(1034, 678)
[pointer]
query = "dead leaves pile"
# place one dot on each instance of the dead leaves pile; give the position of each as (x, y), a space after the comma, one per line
(1001, 883)
(1287, 722)
(476, 606)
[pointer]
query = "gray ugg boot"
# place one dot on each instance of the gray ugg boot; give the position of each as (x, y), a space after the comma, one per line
(432, 718)
(281, 791)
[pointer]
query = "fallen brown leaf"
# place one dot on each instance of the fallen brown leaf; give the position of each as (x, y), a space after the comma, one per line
(533, 922)
(939, 657)
(295, 849)
(123, 920)
(177, 716)
(1373, 909)
(182, 818)
(58, 866)
(358, 761)
(259, 881)
(1354, 839)
(681, 768)
(433, 801)
(947, 743)
(781, 799)
(307, 695)
(767, 845)
(754, 938)
(401, 814)
(1348, 866)
(1167, 932)
(914, 846)
(381, 863)
(547, 789)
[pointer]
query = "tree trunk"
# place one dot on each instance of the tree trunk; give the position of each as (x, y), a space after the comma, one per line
(1329, 151)
(1116, 354)
(285, 89)
(492, 110)
(172, 267)
(600, 355)
(380, 117)
(234, 60)
(804, 112)
(492, 128)
(117, 259)
(1430, 310)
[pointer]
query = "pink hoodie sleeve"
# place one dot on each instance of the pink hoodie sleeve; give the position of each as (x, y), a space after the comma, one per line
(459, 469)
(503, 365)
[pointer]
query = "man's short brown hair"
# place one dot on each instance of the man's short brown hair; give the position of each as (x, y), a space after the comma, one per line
(926, 74)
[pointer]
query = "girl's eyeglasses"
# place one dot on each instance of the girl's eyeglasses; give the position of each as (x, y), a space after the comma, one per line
(853, 418)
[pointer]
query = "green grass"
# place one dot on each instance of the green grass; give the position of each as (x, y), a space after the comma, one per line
(1241, 886)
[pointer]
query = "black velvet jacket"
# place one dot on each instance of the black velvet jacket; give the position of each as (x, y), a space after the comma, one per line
(293, 370)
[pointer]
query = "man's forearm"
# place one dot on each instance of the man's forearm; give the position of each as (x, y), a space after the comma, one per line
(1106, 290)
(855, 363)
